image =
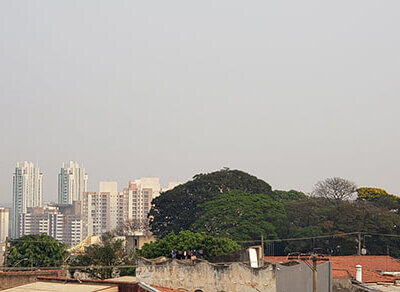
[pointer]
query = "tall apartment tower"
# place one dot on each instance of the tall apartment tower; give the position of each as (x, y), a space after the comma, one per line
(27, 191)
(72, 183)
(101, 210)
(138, 196)
(4, 223)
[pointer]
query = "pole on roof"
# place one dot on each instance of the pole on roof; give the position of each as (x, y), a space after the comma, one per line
(359, 244)
(262, 245)
(314, 260)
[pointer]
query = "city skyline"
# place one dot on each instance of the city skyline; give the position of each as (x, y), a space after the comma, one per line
(74, 165)
(93, 185)
(76, 216)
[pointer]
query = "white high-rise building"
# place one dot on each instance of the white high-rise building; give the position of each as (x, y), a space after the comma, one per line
(4, 223)
(101, 210)
(138, 197)
(72, 183)
(27, 191)
(152, 183)
(108, 208)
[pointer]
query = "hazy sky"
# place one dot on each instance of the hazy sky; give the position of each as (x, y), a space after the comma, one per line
(290, 91)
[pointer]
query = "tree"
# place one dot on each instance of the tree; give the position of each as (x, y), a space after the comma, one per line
(36, 251)
(379, 197)
(241, 216)
(287, 196)
(187, 240)
(320, 216)
(102, 259)
(177, 209)
(335, 188)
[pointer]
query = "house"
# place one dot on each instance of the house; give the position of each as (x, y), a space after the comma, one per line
(381, 272)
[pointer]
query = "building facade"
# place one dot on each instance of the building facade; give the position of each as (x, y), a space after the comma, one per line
(27, 191)
(108, 209)
(63, 222)
(102, 210)
(72, 183)
(138, 201)
(4, 223)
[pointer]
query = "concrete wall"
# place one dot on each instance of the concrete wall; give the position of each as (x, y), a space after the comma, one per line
(207, 277)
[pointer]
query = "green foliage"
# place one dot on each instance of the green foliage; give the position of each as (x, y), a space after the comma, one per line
(187, 240)
(236, 205)
(177, 209)
(241, 216)
(365, 192)
(379, 197)
(287, 196)
(36, 251)
(318, 216)
(109, 252)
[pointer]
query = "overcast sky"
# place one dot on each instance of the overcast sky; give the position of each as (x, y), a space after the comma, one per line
(290, 91)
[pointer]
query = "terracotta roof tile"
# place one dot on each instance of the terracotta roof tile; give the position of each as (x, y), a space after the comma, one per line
(371, 265)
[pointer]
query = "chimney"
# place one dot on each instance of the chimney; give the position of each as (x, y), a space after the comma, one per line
(359, 273)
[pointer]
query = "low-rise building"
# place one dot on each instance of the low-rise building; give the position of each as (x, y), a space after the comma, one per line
(375, 272)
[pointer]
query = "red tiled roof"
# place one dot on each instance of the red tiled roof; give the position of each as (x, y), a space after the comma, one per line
(337, 274)
(371, 265)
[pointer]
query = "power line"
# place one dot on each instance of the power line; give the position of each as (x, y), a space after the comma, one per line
(321, 236)
(301, 238)
(66, 267)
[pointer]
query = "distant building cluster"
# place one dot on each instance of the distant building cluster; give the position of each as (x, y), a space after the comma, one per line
(78, 212)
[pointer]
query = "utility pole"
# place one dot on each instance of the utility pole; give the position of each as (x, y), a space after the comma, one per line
(262, 250)
(314, 258)
(359, 244)
(262, 245)
(314, 269)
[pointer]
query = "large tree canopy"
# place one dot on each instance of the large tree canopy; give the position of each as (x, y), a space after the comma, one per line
(186, 241)
(177, 209)
(287, 196)
(319, 216)
(36, 251)
(379, 197)
(241, 216)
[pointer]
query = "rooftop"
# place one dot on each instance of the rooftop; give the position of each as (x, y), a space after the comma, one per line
(63, 284)
(345, 267)
(62, 287)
